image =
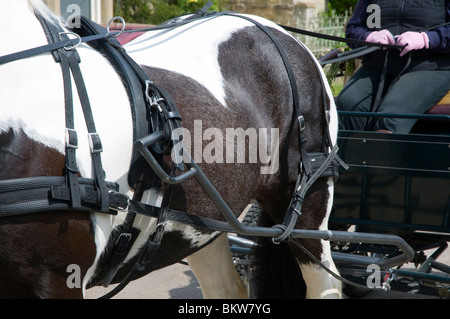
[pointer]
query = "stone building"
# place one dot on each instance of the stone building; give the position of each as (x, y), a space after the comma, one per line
(288, 12)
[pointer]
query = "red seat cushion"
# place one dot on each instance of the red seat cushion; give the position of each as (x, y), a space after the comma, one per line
(441, 109)
(124, 38)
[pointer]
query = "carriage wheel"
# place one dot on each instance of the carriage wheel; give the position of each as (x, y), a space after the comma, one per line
(243, 261)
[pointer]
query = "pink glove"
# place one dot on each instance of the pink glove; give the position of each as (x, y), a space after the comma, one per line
(382, 37)
(413, 41)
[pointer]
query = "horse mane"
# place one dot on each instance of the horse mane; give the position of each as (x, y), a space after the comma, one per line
(40, 8)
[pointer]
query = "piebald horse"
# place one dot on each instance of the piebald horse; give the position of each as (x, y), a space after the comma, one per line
(223, 73)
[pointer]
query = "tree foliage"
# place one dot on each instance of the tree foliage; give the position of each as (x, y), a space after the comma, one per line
(341, 6)
(158, 11)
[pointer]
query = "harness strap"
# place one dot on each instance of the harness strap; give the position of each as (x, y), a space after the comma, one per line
(51, 47)
(71, 169)
(63, 57)
(49, 193)
(340, 39)
(154, 240)
(293, 82)
(94, 139)
(150, 247)
(307, 175)
(70, 60)
(126, 235)
(304, 182)
(163, 115)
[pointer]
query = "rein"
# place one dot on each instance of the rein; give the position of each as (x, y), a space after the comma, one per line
(340, 39)
(67, 44)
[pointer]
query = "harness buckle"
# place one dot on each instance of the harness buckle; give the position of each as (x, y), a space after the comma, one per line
(152, 99)
(328, 117)
(95, 144)
(123, 204)
(301, 123)
(71, 138)
(124, 236)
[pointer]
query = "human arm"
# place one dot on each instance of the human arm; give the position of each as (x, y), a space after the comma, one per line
(357, 27)
(439, 38)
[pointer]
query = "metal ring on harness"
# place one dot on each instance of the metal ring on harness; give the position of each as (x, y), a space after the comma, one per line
(164, 116)
(287, 234)
(74, 46)
(114, 35)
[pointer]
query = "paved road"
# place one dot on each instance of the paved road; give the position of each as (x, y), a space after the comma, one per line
(178, 282)
(173, 282)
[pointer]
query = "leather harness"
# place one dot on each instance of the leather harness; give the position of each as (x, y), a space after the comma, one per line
(151, 108)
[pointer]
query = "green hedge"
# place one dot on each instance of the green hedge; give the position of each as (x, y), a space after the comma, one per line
(158, 11)
(341, 6)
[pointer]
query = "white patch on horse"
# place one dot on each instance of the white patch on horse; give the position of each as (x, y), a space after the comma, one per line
(34, 103)
(36, 92)
(171, 48)
(216, 273)
(333, 125)
(191, 234)
(320, 284)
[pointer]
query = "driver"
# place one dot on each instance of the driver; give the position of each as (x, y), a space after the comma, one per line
(410, 80)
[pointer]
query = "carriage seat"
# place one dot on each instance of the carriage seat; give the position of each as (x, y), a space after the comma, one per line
(124, 38)
(430, 126)
(443, 107)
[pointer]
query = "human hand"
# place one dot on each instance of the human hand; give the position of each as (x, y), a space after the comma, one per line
(413, 41)
(381, 37)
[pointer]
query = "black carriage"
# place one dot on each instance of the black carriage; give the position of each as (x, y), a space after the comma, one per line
(397, 184)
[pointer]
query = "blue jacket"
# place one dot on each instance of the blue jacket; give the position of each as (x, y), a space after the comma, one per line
(399, 16)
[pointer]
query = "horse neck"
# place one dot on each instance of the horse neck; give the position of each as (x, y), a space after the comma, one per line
(23, 30)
